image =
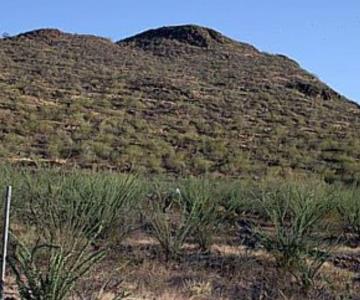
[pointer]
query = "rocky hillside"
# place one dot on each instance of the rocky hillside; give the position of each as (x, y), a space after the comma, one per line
(181, 100)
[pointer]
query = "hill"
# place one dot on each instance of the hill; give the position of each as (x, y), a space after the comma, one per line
(180, 100)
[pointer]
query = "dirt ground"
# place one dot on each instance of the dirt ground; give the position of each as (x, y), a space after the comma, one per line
(228, 271)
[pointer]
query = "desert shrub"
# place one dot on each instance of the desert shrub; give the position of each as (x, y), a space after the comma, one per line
(201, 165)
(183, 212)
(102, 150)
(296, 213)
(45, 271)
(238, 198)
(83, 203)
(67, 214)
(171, 234)
(241, 197)
(14, 177)
(348, 208)
(174, 162)
(200, 204)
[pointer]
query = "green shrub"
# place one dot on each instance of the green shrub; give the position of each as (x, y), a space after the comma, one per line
(65, 214)
(198, 198)
(348, 208)
(49, 272)
(188, 211)
(78, 202)
(237, 199)
(167, 221)
(296, 212)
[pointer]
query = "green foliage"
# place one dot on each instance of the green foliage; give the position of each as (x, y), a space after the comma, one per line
(49, 272)
(348, 208)
(187, 211)
(296, 212)
(237, 199)
(68, 213)
(170, 231)
(63, 217)
(91, 102)
(85, 204)
(199, 201)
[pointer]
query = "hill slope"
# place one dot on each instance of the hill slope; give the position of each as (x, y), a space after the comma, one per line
(184, 99)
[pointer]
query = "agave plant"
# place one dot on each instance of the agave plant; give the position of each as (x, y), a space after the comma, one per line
(187, 211)
(199, 201)
(168, 224)
(68, 215)
(296, 214)
(84, 204)
(348, 208)
(49, 272)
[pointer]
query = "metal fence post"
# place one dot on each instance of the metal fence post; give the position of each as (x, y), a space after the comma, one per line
(5, 239)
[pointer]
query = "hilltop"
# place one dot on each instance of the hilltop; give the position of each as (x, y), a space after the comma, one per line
(180, 100)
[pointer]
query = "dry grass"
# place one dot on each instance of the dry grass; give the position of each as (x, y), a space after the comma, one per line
(227, 272)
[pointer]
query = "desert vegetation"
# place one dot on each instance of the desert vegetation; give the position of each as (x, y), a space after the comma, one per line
(183, 100)
(79, 234)
(175, 164)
